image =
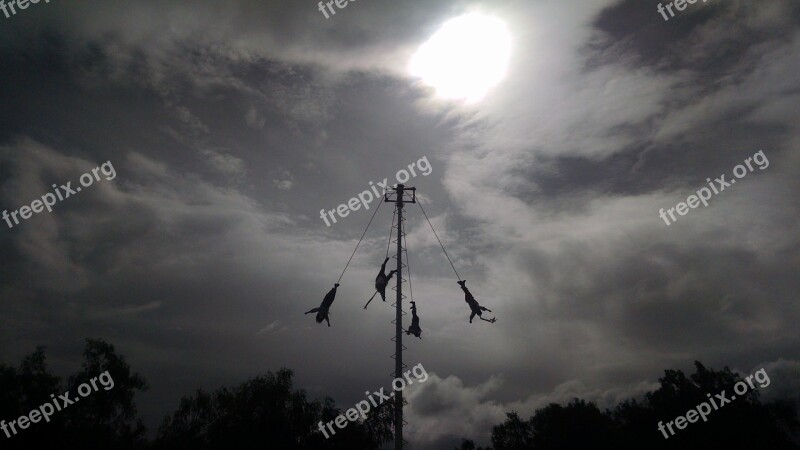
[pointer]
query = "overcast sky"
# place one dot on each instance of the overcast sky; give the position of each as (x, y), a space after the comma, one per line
(230, 125)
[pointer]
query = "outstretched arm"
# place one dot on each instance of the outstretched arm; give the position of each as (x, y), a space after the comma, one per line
(312, 311)
(389, 277)
(370, 300)
(383, 266)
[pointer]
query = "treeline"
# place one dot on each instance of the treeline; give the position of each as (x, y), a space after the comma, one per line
(744, 423)
(267, 412)
(264, 412)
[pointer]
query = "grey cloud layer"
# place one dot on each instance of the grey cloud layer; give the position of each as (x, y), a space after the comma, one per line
(230, 127)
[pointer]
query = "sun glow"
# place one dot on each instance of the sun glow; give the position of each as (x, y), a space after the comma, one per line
(465, 58)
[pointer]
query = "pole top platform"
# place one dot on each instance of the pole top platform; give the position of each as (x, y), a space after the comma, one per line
(409, 194)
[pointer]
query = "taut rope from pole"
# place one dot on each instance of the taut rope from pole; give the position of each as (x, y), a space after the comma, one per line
(388, 244)
(408, 265)
(359, 241)
(437, 238)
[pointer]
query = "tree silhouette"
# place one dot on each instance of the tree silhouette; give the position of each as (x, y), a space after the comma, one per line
(467, 444)
(554, 427)
(744, 423)
(513, 434)
(576, 425)
(266, 411)
(105, 419)
(23, 389)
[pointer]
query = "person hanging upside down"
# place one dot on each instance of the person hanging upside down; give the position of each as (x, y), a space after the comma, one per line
(414, 328)
(324, 308)
(473, 304)
(381, 281)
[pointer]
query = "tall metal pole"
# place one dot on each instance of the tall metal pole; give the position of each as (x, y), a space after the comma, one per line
(398, 362)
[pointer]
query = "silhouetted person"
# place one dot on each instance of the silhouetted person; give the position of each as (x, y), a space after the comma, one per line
(473, 304)
(414, 328)
(322, 311)
(381, 281)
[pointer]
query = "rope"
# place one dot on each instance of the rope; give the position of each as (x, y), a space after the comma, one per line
(388, 244)
(437, 238)
(408, 265)
(359, 241)
(370, 299)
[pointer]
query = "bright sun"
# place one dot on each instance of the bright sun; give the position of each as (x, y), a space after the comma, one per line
(464, 58)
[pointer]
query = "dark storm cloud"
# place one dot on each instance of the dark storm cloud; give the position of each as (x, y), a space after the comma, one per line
(581, 248)
(709, 38)
(230, 126)
(166, 261)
